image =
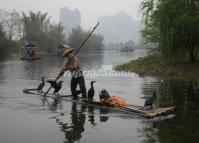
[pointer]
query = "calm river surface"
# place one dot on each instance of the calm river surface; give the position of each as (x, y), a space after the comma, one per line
(24, 118)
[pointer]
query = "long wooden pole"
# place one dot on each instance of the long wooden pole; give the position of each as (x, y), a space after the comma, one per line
(76, 52)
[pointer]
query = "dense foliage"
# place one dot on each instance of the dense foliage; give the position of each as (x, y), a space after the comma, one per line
(3, 43)
(16, 30)
(10, 32)
(39, 30)
(78, 35)
(174, 26)
(12, 24)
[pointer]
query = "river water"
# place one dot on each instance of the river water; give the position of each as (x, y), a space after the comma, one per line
(26, 118)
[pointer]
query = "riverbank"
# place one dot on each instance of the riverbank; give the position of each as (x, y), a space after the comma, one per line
(154, 66)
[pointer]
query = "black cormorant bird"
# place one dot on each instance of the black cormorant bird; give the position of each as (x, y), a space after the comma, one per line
(91, 91)
(41, 85)
(104, 95)
(55, 85)
(149, 101)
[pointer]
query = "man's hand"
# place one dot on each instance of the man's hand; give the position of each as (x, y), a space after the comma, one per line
(63, 70)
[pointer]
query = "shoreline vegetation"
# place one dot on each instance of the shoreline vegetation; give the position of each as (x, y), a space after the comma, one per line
(153, 65)
(171, 28)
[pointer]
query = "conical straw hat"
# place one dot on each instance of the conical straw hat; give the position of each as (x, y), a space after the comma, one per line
(67, 50)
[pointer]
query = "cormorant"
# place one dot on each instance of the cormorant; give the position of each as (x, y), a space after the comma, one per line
(149, 101)
(104, 95)
(55, 85)
(41, 85)
(91, 91)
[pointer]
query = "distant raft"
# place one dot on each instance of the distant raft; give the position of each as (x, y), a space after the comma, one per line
(127, 109)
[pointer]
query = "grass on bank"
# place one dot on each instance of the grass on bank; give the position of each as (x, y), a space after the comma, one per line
(155, 66)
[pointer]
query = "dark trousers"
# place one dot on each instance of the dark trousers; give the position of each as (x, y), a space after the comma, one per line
(73, 85)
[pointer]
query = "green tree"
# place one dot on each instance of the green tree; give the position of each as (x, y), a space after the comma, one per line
(55, 37)
(39, 30)
(3, 43)
(78, 35)
(12, 24)
(173, 26)
(34, 27)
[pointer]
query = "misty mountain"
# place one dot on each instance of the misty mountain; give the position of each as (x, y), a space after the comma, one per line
(69, 19)
(119, 28)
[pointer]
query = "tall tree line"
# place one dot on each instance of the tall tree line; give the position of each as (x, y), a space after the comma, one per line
(173, 25)
(11, 31)
(78, 35)
(3, 42)
(12, 24)
(37, 28)
(40, 30)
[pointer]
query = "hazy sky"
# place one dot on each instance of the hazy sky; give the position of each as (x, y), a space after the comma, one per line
(90, 10)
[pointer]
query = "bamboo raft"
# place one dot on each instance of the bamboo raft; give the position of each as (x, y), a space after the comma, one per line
(130, 109)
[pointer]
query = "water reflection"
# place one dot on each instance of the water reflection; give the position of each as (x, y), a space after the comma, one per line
(185, 96)
(103, 117)
(54, 105)
(172, 92)
(16, 74)
(91, 60)
(73, 131)
(148, 133)
(45, 102)
(91, 116)
(1, 77)
(102, 114)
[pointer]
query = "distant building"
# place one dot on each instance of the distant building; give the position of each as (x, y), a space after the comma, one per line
(28, 52)
(119, 28)
(69, 19)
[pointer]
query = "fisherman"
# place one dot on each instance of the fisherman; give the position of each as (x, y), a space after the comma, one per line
(74, 66)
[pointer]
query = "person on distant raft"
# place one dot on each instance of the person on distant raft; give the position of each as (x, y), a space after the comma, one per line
(74, 66)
